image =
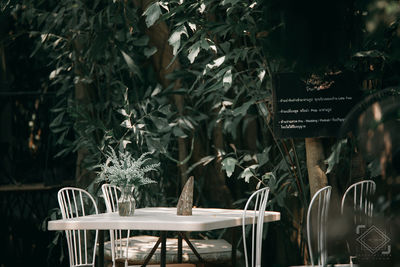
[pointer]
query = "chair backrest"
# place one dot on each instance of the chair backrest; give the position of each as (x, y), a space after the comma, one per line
(358, 198)
(76, 202)
(119, 238)
(319, 205)
(258, 202)
(111, 194)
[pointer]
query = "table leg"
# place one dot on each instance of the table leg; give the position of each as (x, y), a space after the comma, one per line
(179, 248)
(101, 248)
(234, 244)
(163, 236)
(183, 235)
(147, 260)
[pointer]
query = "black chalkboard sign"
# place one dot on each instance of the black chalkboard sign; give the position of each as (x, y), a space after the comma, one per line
(312, 107)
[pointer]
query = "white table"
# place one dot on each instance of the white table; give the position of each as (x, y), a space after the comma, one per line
(162, 219)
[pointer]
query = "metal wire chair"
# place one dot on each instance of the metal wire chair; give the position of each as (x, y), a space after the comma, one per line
(119, 238)
(259, 198)
(358, 205)
(362, 205)
(76, 202)
(322, 199)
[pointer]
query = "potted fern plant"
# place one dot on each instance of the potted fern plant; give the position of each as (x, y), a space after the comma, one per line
(128, 174)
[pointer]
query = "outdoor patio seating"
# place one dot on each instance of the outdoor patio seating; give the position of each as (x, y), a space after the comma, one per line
(320, 201)
(317, 216)
(358, 199)
(358, 205)
(123, 247)
(76, 202)
(258, 202)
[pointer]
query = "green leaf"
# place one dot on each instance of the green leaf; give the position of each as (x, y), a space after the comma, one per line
(123, 144)
(375, 168)
(203, 161)
(263, 109)
(161, 123)
(175, 38)
(131, 64)
(246, 174)
(192, 26)
(216, 63)
(242, 110)
(261, 75)
(228, 164)
(194, 51)
(227, 79)
(123, 112)
(263, 157)
(126, 124)
(148, 52)
(232, 2)
(57, 120)
(334, 157)
(178, 132)
(204, 44)
(164, 5)
(152, 13)
(142, 41)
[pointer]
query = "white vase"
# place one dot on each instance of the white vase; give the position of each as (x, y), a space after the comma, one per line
(126, 202)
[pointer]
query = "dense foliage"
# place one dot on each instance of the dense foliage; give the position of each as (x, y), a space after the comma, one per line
(207, 111)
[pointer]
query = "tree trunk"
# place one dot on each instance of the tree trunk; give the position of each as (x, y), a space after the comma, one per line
(216, 182)
(315, 164)
(83, 96)
(159, 34)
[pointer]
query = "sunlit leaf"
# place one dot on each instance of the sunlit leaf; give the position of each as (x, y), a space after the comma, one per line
(202, 8)
(192, 26)
(232, 2)
(123, 112)
(246, 174)
(123, 144)
(152, 13)
(216, 63)
(228, 164)
(164, 5)
(261, 75)
(126, 124)
(131, 64)
(227, 79)
(194, 51)
(175, 38)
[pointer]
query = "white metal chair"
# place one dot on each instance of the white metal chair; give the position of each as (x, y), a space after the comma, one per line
(259, 199)
(76, 202)
(118, 238)
(322, 199)
(357, 203)
(362, 206)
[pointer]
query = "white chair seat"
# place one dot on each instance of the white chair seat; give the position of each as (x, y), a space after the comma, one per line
(211, 250)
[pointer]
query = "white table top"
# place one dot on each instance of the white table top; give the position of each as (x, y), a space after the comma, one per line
(162, 219)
